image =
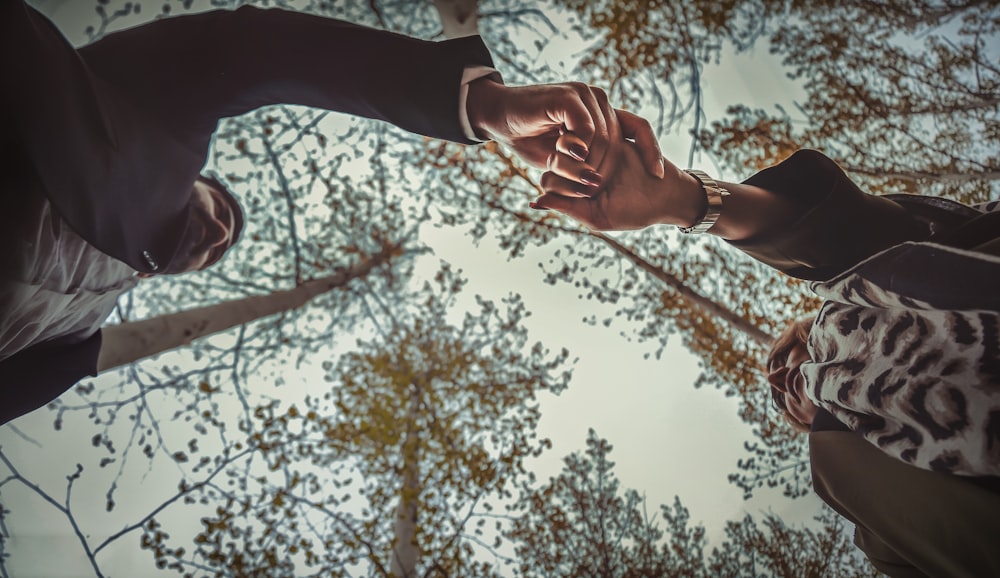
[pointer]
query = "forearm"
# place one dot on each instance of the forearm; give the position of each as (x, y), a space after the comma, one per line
(831, 224)
(804, 216)
(190, 71)
(747, 211)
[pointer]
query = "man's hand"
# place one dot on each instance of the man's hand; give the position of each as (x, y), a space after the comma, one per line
(530, 120)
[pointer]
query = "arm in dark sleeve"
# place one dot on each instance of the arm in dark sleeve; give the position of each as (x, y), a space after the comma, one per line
(837, 226)
(39, 374)
(190, 71)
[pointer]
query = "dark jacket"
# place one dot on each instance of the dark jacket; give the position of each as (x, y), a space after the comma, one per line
(114, 134)
(910, 522)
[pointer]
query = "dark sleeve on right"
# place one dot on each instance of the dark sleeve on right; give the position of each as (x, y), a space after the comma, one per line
(838, 225)
(39, 374)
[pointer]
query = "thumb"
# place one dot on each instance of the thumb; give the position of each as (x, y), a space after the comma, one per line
(638, 129)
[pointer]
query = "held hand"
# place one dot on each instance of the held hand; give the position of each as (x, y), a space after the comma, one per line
(630, 199)
(530, 120)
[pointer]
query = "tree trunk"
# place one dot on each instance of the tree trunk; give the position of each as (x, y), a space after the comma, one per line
(735, 320)
(405, 551)
(458, 17)
(132, 341)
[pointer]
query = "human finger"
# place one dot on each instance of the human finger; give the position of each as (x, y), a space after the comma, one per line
(603, 119)
(571, 144)
(638, 129)
(579, 112)
(604, 159)
(556, 184)
(565, 162)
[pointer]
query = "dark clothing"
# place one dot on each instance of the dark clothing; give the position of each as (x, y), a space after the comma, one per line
(910, 522)
(114, 134)
(840, 225)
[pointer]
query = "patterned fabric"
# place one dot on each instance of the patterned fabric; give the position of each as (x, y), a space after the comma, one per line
(906, 352)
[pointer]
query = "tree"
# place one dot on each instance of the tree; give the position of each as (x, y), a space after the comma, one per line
(904, 95)
(135, 340)
(196, 416)
(581, 523)
(226, 420)
(432, 421)
(773, 548)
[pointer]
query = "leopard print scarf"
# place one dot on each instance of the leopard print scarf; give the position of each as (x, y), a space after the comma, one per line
(906, 352)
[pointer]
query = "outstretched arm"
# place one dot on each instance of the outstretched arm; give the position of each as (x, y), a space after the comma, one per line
(190, 71)
(633, 199)
(804, 216)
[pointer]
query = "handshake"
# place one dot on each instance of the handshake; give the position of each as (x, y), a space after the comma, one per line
(603, 165)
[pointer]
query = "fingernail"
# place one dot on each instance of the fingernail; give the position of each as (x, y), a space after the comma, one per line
(537, 207)
(578, 152)
(591, 178)
(661, 170)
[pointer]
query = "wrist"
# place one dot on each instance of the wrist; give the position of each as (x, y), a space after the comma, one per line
(483, 106)
(683, 199)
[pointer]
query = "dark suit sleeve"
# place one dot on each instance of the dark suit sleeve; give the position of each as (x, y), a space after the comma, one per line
(123, 126)
(39, 374)
(190, 71)
(77, 140)
(838, 225)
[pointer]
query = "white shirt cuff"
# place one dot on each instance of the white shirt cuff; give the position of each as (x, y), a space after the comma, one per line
(471, 73)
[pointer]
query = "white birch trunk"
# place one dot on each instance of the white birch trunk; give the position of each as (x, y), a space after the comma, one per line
(405, 550)
(135, 340)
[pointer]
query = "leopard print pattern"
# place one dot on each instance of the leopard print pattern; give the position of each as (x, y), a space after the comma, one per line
(918, 380)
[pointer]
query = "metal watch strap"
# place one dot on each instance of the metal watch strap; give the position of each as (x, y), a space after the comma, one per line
(713, 194)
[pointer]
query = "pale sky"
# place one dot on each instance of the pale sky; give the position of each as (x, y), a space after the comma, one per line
(669, 438)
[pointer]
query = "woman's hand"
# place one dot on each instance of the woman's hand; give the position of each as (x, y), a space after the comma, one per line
(629, 197)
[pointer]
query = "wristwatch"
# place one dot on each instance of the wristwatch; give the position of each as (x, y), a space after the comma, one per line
(713, 194)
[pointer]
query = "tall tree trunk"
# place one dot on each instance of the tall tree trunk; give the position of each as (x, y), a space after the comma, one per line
(734, 319)
(135, 340)
(458, 17)
(405, 550)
